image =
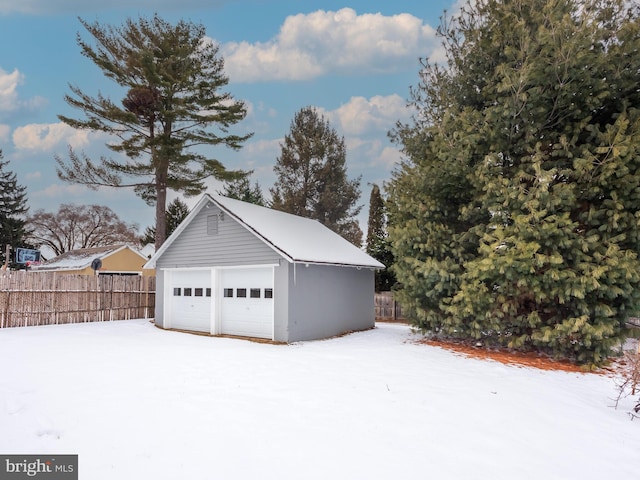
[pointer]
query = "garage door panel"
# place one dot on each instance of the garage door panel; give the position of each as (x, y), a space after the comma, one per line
(247, 302)
(191, 300)
(245, 299)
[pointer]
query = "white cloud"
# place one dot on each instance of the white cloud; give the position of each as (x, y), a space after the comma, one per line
(33, 175)
(372, 155)
(46, 137)
(365, 124)
(388, 157)
(375, 115)
(9, 89)
(259, 156)
(9, 99)
(262, 148)
(310, 45)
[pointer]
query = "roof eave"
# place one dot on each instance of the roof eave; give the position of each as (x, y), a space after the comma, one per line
(338, 264)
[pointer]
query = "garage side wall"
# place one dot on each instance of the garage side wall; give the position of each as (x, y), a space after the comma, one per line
(325, 301)
(281, 301)
(160, 298)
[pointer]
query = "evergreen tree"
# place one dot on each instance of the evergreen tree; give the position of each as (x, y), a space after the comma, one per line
(514, 217)
(13, 208)
(312, 176)
(378, 240)
(173, 76)
(241, 189)
(177, 211)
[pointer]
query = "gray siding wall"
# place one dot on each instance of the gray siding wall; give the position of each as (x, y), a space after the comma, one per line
(231, 245)
(160, 286)
(281, 302)
(325, 301)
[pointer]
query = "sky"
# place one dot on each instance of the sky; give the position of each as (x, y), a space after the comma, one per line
(354, 61)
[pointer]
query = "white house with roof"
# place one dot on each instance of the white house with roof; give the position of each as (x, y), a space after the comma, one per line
(234, 268)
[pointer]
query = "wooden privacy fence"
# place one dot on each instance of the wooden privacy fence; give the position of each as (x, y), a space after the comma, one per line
(49, 298)
(387, 309)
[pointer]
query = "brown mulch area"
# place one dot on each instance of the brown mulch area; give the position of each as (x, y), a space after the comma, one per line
(508, 357)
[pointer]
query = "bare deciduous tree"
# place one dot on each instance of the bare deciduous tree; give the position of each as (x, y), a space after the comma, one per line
(80, 226)
(629, 380)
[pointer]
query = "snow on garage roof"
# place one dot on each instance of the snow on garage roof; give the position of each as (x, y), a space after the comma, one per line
(298, 239)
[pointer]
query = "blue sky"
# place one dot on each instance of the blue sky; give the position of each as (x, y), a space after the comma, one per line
(354, 61)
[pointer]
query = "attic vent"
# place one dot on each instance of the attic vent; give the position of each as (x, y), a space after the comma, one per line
(212, 225)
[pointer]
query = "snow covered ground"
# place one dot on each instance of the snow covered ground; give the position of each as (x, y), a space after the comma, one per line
(137, 402)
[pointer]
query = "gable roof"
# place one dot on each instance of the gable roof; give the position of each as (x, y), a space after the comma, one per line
(297, 239)
(81, 258)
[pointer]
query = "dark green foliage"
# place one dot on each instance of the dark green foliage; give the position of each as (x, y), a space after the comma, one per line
(177, 211)
(13, 208)
(171, 77)
(378, 241)
(241, 189)
(515, 218)
(312, 176)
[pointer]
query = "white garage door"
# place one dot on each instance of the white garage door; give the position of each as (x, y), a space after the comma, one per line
(247, 302)
(191, 300)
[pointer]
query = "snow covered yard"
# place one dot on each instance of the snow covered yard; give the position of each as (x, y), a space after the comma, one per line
(137, 402)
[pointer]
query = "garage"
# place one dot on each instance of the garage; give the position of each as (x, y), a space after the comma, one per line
(235, 268)
(191, 300)
(247, 302)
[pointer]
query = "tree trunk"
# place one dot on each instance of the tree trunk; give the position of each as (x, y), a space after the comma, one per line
(161, 205)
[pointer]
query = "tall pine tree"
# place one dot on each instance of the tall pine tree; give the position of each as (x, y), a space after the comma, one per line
(13, 208)
(172, 78)
(378, 240)
(312, 176)
(515, 213)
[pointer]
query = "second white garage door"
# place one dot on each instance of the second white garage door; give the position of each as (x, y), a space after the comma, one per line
(247, 302)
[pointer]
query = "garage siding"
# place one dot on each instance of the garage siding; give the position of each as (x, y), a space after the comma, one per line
(160, 294)
(324, 301)
(200, 244)
(281, 302)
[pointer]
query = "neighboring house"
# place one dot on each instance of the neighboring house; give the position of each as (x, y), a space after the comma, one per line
(113, 259)
(236, 268)
(148, 250)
